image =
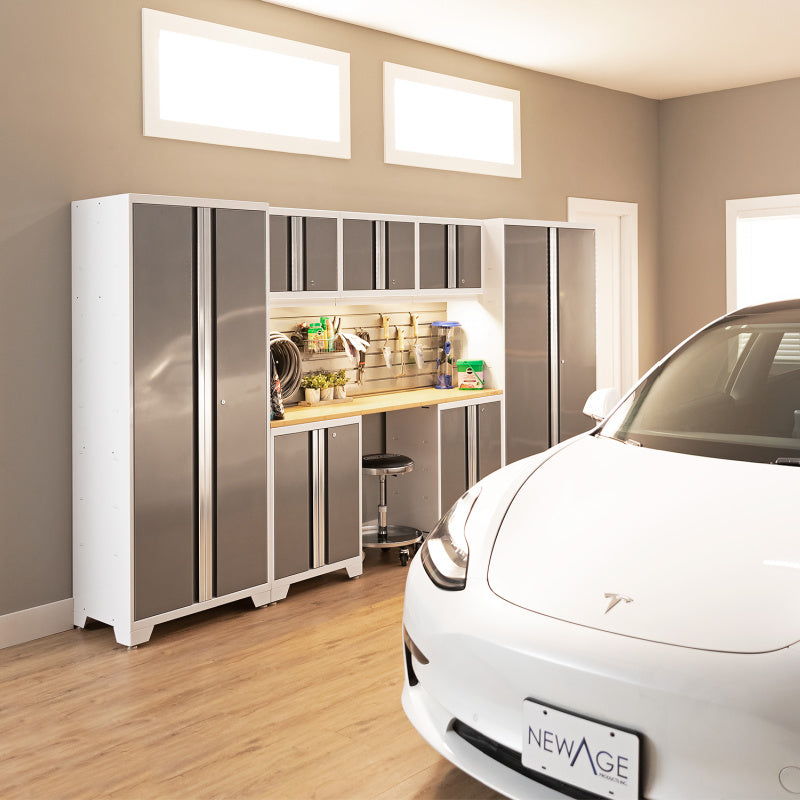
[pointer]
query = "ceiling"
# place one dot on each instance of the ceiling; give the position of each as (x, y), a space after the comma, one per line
(653, 48)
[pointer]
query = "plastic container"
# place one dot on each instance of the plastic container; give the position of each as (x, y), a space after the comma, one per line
(470, 374)
(447, 345)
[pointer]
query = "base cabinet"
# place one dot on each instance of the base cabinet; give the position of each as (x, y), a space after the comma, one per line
(454, 445)
(317, 502)
(470, 446)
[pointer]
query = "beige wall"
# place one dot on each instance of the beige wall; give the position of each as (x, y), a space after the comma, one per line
(72, 129)
(717, 147)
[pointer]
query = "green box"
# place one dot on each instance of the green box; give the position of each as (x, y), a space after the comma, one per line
(470, 374)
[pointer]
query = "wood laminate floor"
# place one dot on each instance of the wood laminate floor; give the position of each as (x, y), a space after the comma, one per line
(297, 700)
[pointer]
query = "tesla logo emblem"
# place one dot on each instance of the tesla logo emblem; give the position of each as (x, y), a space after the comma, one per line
(613, 599)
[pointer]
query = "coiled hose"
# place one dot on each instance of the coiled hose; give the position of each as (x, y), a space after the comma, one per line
(288, 364)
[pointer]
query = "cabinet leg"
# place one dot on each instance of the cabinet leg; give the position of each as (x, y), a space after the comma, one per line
(261, 598)
(354, 568)
(279, 593)
(131, 639)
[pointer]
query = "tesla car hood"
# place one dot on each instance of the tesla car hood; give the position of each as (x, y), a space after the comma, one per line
(684, 550)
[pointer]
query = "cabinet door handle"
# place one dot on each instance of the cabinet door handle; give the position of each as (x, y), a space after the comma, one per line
(319, 493)
(452, 256)
(298, 253)
(205, 406)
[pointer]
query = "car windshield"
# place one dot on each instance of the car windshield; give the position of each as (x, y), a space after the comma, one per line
(732, 391)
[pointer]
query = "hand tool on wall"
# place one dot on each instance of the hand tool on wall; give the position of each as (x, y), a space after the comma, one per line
(337, 324)
(354, 345)
(418, 356)
(387, 351)
(401, 347)
(363, 335)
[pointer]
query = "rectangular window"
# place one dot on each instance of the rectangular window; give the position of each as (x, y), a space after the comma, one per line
(211, 83)
(442, 122)
(763, 250)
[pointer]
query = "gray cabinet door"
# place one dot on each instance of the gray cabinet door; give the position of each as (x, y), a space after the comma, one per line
(527, 389)
(293, 503)
(164, 415)
(399, 255)
(342, 468)
(280, 256)
(432, 255)
(468, 256)
(454, 467)
(240, 541)
(577, 370)
(488, 433)
(319, 248)
(358, 254)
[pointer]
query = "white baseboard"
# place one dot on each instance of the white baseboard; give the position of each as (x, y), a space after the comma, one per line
(33, 623)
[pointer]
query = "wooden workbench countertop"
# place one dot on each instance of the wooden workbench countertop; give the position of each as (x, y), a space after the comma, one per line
(378, 403)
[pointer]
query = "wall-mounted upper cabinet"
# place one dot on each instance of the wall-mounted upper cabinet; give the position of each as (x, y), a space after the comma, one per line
(378, 255)
(449, 255)
(334, 254)
(303, 253)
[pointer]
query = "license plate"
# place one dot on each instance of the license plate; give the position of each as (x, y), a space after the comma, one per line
(580, 752)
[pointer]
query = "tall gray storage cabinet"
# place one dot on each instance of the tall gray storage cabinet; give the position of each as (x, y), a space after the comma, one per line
(549, 316)
(169, 408)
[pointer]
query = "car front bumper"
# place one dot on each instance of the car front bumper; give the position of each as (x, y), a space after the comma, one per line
(714, 725)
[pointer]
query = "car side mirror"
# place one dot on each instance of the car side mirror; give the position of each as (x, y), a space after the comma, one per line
(600, 403)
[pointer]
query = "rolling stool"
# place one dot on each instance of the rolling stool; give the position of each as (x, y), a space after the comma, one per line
(383, 535)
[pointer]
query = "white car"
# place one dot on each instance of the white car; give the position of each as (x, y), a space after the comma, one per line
(619, 616)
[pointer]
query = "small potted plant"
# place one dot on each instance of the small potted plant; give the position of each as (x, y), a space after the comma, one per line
(326, 392)
(313, 383)
(339, 381)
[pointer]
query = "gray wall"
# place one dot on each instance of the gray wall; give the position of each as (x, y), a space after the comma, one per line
(72, 125)
(717, 147)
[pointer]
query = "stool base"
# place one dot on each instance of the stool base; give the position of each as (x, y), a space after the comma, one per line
(401, 536)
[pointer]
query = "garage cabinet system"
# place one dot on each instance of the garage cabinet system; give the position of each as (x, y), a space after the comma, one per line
(186, 496)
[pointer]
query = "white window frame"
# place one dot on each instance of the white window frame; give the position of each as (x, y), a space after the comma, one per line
(772, 206)
(153, 22)
(392, 155)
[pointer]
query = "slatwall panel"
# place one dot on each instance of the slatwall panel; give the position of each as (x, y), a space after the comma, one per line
(377, 377)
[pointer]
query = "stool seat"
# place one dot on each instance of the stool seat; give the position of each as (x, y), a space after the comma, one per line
(386, 464)
(384, 535)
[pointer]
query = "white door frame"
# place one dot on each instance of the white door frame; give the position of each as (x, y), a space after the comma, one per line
(617, 292)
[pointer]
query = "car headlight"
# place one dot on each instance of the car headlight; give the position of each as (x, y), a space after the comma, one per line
(445, 553)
